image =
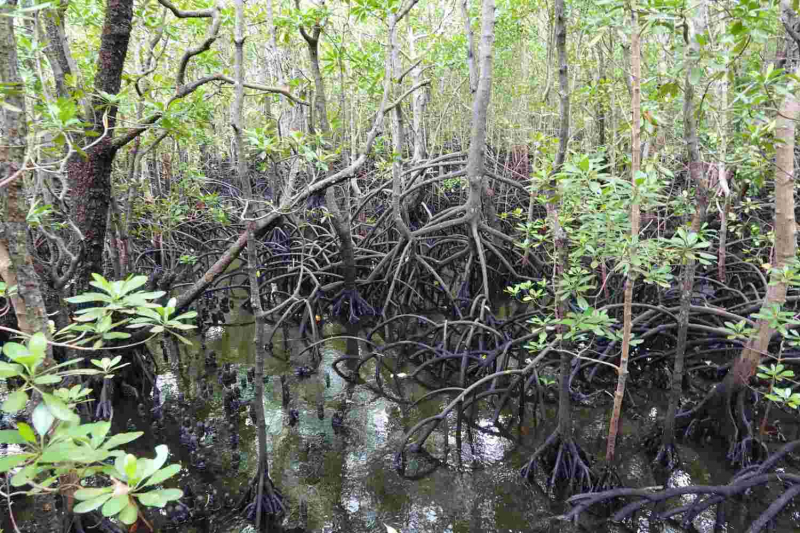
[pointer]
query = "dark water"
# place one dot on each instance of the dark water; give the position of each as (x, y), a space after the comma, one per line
(347, 479)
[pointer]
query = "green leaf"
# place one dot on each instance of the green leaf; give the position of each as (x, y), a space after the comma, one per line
(15, 401)
(181, 338)
(121, 438)
(115, 505)
(11, 436)
(128, 515)
(59, 409)
(99, 433)
(116, 335)
(91, 505)
(42, 419)
(8, 370)
(38, 344)
(130, 466)
(160, 498)
(162, 453)
(186, 316)
(133, 283)
(14, 350)
(89, 297)
(26, 431)
(7, 462)
(59, 452)
(48, 379)
(695, 75)
(92, 493)
(163, 475)
(26, 475)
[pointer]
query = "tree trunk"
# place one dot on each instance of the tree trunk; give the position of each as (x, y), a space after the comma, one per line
(476, 162)
(18, 261)
(622, 370)
(696, 25)
(90, 177)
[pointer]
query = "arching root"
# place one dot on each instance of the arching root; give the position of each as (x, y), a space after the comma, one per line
(706, 495)
(266, 503)
(667, 457)
(565, 460)
(727, 410)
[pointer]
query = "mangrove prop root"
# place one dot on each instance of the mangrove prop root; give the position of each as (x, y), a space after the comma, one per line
(706, 495)
(570, 464)
(668, 457)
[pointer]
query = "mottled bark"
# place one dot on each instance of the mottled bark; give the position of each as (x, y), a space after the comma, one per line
(90, 177)
(18, 263)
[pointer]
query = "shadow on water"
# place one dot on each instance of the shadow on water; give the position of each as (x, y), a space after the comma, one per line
(337, 470)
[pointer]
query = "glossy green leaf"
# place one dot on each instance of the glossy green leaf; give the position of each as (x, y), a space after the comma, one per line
(160, 498)
(88, 297)
(59, 409)
(130, 466)
(91, 505)
(15, 401)
(7, 462)
(11, 436)
(8, 370)
(26, 475)
(114, 505)
(163, 475)
(14, 350)
(99, 433)
(26, 431)
(47, 379)
(38, 344)
(128, 515)
(121, 438)
(91, 493)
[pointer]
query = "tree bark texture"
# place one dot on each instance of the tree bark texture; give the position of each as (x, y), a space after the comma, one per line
(90, 176)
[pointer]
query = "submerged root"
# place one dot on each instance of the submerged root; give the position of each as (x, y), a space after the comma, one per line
(728, 411)
(667, 457)
(706, 495)
(565, 461)
(262, 503)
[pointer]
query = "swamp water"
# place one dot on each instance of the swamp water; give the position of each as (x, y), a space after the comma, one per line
(345, 479)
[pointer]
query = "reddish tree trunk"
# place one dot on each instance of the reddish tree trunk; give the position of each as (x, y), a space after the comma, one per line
(90, 176)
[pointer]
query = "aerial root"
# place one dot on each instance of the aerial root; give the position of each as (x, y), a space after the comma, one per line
(667, 457)
(706, 495)
(266, 502)
(571, 463)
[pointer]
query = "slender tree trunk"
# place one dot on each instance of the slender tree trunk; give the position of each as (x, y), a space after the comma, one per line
(340, 219)
(785, 242)
(560, 240)
(696, 25)
(602, 107)
(622, 370)
(398, 140)
(419, 104)
(476, 162)
(473, 69)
